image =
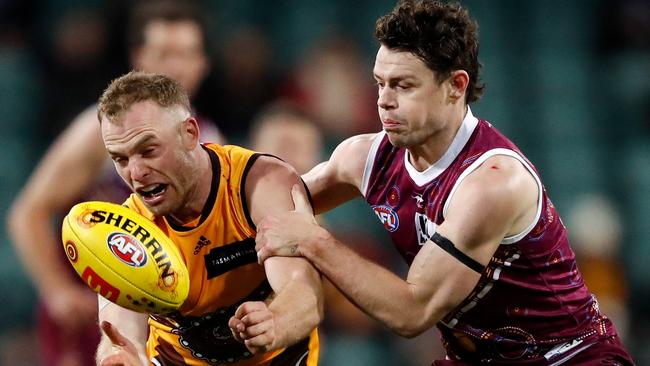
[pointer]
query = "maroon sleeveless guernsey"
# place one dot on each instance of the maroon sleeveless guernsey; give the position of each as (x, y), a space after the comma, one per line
(530, 302)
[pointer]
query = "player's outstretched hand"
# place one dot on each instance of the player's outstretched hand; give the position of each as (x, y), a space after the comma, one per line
(282, 234)
(254, 324)
(123, 352)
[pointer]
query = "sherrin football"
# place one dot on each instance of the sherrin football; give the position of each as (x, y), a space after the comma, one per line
(125, 257)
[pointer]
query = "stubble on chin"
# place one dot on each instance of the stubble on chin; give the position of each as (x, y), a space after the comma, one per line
(161, 209)
(395, 140)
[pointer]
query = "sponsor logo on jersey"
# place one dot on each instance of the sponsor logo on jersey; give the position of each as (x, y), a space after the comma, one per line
(387, 216)
(127, 249)
(424, 228)
(203, 242)
(230, 256)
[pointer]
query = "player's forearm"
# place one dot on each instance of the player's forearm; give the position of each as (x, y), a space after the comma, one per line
(375, 290)
(38, 247)
(132, 330)
(298, 309)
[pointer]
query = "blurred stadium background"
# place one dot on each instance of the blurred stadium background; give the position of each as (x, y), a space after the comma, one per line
(568, 81)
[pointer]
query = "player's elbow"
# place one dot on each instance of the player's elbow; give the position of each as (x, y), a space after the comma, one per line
(314, 318)
(410, 328)
(18, 217)
(320, 307)
(314, 298)
(421, 316)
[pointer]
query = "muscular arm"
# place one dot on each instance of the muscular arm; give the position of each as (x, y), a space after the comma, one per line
(338, 180)
(496, 200)
(67, 169)
(124, 337)
(297, 306)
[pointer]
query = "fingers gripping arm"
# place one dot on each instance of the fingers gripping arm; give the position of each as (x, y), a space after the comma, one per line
(297, 305)
(437, 281)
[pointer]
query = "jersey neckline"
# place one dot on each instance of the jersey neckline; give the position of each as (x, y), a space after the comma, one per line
(463, 135)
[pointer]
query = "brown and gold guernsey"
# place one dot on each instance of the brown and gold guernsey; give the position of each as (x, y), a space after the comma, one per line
(219, 250)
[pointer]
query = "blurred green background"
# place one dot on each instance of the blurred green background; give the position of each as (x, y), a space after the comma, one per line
(567, 81)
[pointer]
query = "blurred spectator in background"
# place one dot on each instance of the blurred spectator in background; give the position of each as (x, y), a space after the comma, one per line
(75, 59)
(246, 81)
(285, 131)
(331, 82)
(165, 37)
(596, 237)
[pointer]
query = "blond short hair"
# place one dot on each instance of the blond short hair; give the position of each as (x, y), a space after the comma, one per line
(138, 86)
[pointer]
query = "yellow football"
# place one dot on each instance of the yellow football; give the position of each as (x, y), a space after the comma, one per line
(125, 257)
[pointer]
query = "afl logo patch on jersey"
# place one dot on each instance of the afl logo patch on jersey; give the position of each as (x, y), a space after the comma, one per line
(127, 249)
(387, 216)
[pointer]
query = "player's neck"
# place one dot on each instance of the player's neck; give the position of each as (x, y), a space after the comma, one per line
(424, 155)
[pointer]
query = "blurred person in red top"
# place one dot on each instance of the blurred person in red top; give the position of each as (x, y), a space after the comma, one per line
(331, 82)
(164, 37)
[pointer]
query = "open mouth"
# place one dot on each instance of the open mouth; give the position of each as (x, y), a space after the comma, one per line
(152, 192)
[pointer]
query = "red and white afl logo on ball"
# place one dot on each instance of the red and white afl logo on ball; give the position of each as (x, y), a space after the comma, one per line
(127, 249)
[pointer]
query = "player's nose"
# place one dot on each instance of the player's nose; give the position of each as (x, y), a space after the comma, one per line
(386, 98)
(139, 170)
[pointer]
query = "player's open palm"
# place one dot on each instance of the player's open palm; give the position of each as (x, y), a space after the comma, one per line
(254, 324)
(281, 234)
(123, 353)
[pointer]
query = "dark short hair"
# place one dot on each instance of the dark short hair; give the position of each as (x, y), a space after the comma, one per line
(148, 11)
(138, 86)
(443, 36)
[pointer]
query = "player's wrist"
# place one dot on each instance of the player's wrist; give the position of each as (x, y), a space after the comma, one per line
(144, 360)
(314, 244)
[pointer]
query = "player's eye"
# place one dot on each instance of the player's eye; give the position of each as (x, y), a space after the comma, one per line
(119, 160)
(402, 86)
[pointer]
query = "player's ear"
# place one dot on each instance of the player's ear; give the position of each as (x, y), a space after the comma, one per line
(458, 81)
(190, 133)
